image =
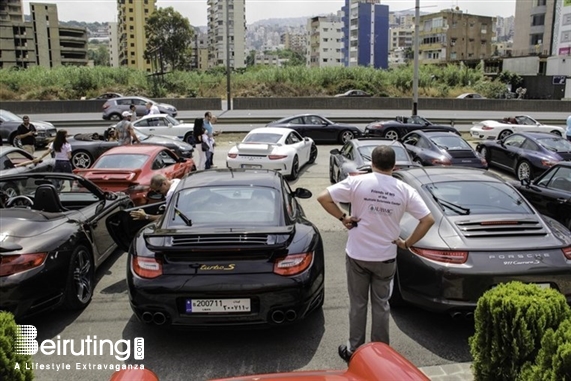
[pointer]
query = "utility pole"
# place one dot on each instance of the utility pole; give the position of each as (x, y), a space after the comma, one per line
(228, 95)
(415, 74)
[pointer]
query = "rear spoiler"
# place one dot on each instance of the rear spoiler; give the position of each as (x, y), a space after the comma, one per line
(108, 174)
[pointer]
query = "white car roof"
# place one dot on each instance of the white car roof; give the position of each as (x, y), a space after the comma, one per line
(272, 130)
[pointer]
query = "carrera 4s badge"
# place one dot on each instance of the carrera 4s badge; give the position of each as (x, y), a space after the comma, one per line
(228, 267)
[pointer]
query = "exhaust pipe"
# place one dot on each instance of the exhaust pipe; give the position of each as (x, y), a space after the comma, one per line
(456, 315)
(290, 315)
(147, 317)
(159, 318)
(278, 317)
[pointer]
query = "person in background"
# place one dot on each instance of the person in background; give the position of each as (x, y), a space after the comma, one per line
(152, 109)
(207, 149)
(27, 135)
(162, 185)
(568, 131)
(378, 202)
(200, 157)
(125, 132)
(62, 153)
(133, 110)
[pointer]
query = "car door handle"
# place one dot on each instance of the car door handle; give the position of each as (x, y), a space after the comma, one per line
(562, 200)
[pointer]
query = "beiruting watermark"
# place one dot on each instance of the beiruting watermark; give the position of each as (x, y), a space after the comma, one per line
(26, 344)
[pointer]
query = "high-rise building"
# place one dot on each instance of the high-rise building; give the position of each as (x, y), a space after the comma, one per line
(132, 42)
(200, 50)
(296, 42)
(533, 31)
(113, 44)
(11, 10)
(452, 35)
(324, 41)
(365, 33)
(218, 41)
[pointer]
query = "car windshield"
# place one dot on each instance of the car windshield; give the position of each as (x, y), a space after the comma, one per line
(228, 205)
(261, 137)
(473, 198)
(525, 120)
(172, 120)
(366, 152)
(555, 144)
(9, 117)
(123, 161)
(450, 142)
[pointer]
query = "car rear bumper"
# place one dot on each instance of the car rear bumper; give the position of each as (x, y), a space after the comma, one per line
(282, 166)
(275, 300)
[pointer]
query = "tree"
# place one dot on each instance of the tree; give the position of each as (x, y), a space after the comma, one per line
(251, 58)
(99, 56)
(169, 30)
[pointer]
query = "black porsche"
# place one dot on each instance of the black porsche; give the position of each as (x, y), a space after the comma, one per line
(402, 125)
(485, 233)
(233, 248)
(318, 128)
(86, 148)
(53, 238)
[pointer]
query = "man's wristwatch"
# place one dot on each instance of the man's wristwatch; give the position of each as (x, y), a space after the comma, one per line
(343, 217)
(146, 216)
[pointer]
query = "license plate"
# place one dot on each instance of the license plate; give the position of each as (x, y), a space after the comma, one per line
(217, 305)
(251, 166)
(543, 285)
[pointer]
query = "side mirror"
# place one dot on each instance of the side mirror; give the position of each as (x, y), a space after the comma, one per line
(306, 139)
(169, 125)
(302, 193)
(334, 151)
(526, 182)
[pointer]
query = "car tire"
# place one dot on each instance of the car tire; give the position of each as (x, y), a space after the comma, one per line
(312, 154)
(11, 189)
(485, 154)
(81, 159)
(13, 141)
(523, 170)
(556, 132)
(294, 169)
(396, 299)
(115, 117)
(504, 134)
(331, 173)
(189, 138)
(391, 133)
(80, 279)
(345, 136)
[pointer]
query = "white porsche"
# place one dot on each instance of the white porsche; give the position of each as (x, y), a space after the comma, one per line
(165, 125)
(279, 149)
(493, 129)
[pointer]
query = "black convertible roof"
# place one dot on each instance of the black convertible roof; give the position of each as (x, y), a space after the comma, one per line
(232, 177)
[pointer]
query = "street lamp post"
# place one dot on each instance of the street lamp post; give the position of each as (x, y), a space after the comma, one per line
(228, 96)
(415, 73)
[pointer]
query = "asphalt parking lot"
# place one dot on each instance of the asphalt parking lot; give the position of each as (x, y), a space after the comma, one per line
(425, 338)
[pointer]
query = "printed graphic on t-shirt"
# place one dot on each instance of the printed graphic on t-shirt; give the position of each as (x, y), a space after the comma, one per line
(387, 199)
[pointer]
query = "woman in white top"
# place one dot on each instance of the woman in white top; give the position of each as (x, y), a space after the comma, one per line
(62, 152)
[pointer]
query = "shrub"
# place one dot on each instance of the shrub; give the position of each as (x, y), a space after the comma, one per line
(510, 321)
(553, 363)
(8, 356)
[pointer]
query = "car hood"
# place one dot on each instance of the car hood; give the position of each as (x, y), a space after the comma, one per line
(505, 232)
(166, 105)
(40, 125)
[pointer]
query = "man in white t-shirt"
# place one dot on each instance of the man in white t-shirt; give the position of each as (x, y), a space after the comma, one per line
(378, 202)
(160, 184)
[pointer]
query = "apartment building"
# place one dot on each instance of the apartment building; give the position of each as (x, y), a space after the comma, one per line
(533, 31)
(200, 50)
(365, 33)
(296, 42)
(113, 43)
(452, 35)
(217, 38)
(11, 10)
(324, 41)
(131, 40)
(400, 38)
(42, 41)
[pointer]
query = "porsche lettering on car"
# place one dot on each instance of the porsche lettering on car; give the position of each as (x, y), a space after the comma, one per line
(279, 149)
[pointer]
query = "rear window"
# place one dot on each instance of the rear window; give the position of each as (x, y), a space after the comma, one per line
(234, 206)
(400, 152)
(262, 138)
(472, 198)
(450, 142)
(121, 161)
(555, 144)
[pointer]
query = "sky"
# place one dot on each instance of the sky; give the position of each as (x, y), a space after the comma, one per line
(195, 10)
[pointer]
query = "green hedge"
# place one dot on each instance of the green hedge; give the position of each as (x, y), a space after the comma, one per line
(510, 322)
(8, 356)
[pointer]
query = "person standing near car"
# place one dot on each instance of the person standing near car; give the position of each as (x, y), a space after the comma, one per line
(568, 131)
(26, 132)
(152, 109)
(200, 158)
(62, 153)
(378, 202)
(125, 132)
(133, 110)
(162, 185)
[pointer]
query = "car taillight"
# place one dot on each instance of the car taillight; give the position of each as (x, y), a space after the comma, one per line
(446, 256)
(567, 252)
(276, 157)
(146, 267)
(232, 155)
(12, 264)
(487, 128)
(293, 264)
(106, 105)
(441, 161)
(548, 163)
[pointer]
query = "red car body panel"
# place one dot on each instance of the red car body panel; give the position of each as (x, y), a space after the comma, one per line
(135, 181)
(371, 362)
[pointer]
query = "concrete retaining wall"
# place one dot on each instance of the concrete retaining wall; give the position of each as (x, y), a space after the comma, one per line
(89, 106)
(331, 103)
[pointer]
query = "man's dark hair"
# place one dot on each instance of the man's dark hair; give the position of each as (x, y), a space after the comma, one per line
(207, 114)
(383, 158)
